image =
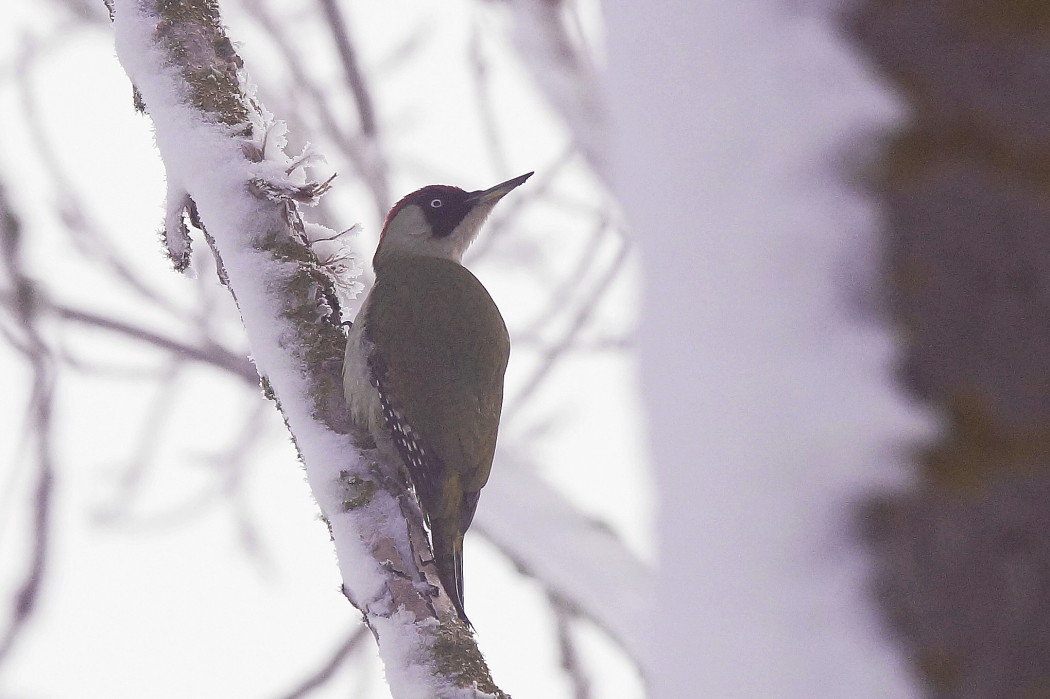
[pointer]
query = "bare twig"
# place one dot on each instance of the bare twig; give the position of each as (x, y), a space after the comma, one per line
(570, 283)
(580, 319)
(190, 81)
(480, 73)
(590, 570)
(570, 657)
(539, 188)
(211, 354)
(354, 78)
(369, 166)
(85, 11)
(230, 464)
(84, 232)
(235, 462)
(148, 444)
(325, 673)
(563, 69)
(39, 419)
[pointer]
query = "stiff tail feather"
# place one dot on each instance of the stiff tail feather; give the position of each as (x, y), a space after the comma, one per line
(448, 554)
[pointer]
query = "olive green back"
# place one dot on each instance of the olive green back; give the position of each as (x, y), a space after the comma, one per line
(445, 348)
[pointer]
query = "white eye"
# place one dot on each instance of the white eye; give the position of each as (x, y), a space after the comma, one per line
(436, 203)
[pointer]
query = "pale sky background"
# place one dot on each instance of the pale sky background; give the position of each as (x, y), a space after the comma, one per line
(771, 404)
(165, 601)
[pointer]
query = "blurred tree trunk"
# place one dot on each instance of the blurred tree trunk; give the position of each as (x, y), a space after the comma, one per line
(770, 404)
(964, 560)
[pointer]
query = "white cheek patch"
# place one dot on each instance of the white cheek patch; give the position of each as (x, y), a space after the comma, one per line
(408, 222)
(470, 226)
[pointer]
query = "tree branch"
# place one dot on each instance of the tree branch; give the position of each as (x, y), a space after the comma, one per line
(325, 672)
(364, 156)
(38, 418)
(224, 159)
(348, 57)
(571, 662)
(590, 569)
(213, 355)
(355, 80)
(563, 70)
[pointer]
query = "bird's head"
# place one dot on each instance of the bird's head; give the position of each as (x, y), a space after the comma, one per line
(439, 220)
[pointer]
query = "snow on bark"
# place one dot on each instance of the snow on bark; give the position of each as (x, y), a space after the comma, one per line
(176, 233)
(590, 567)
(227, 171)
(772, 405)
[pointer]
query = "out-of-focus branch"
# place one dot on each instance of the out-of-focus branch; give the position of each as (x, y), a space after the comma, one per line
(368, 166)
(85, 234)
(85, 11)
(570, 657)
(329, 668)
(211, 354)
(149, 444)
(479, 69)
(214, 141)
(563, 70)
(590, 569)
(570, 282)
(348, 57)
(586, 309)
(541, 187)
(355, 80)
(38, 420)
(230, 465)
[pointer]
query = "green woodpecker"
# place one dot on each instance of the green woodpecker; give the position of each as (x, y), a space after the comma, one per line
(425, 361)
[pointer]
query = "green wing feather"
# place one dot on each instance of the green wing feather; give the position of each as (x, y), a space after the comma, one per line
(445, 349)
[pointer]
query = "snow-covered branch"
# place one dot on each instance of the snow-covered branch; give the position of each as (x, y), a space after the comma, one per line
(229, 176)
(590, 571)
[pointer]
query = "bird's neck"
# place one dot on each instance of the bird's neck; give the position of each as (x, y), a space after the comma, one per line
(386, 258)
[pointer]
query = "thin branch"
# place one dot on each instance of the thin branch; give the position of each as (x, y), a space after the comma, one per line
(354, 78)
(85, 12)
(212, 355)
(564, 72)
(190, 79)
(325, 673)
(570, 283)
(590, 569)
(39, 418)
(539, 189)
(570, 656)
(149, 442)
(231, 463)
(355, 152)
(479, 70)
(235, 463)
(85, 233)
(580, 319)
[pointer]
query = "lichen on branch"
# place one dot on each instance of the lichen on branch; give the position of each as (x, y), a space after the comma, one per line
(229, 176)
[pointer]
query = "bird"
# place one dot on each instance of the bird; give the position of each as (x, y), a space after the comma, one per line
(426, 358)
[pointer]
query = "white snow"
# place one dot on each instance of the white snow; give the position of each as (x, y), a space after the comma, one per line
(772, 405)
(780, 412)
(203, 159)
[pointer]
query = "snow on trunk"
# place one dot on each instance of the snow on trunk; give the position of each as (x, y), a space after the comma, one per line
(771, 404)
(226, 167)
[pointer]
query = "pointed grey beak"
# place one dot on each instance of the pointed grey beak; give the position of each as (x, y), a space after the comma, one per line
(494, 194)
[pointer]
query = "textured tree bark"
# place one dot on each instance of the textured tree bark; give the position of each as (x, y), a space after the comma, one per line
(228, 176)
(964, 557)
